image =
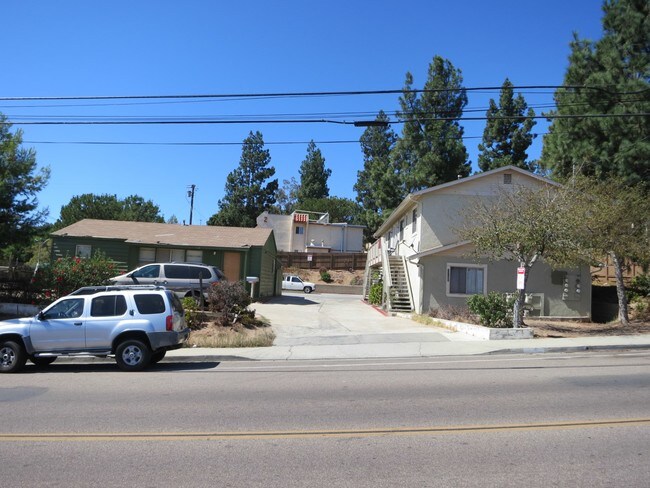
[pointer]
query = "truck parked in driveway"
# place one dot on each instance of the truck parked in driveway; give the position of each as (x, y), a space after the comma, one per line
(293, 282)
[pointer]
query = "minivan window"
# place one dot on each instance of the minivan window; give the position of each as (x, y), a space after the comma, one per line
(197, 272)
(151, 271)
(149, 303)
(108, 306)
(176, 271)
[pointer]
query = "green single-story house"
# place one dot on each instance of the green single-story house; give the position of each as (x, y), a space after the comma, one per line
(238, 251)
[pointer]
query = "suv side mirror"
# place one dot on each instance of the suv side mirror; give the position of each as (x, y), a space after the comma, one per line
(41, 316)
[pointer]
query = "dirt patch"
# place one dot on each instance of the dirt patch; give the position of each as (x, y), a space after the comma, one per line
(339, 277)
(567, 328)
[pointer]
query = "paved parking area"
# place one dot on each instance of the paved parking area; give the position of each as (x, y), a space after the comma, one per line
(320, 319)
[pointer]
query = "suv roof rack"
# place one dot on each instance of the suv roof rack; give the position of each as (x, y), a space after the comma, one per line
(91, 290)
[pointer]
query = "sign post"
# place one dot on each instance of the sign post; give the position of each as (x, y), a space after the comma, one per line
(521, 276)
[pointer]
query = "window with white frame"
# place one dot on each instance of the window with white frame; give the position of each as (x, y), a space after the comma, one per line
(83, 251)
(413, 223)
(147, 255)
(300, 230)
(194, 256)
(464, 279)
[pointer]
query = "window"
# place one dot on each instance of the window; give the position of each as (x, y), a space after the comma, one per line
(401, 230)
(152, 271)
(109, 306)
(415, 216)
(83, 251)
(507, 178)
(300, 230)
(147, 255)
(149, 304)
(194, 256)
(465, 280)
(199, 272)
(177, 271)
(66, 309)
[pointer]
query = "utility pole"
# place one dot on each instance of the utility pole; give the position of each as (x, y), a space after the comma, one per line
(190, 193)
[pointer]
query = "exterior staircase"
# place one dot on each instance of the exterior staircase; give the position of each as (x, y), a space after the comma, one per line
(400, 292)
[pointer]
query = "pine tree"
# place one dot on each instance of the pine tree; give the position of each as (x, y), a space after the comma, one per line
(431, 149)
(379, 187)
(616, 73)
(313, 175)
(247, 191)
(507, 133)
(20, 181)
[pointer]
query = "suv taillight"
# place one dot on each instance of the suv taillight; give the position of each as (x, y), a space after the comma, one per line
(169, 324)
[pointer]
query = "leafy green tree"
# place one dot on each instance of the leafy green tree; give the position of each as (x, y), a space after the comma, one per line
(340, 209)
(613, 219)
(108, 207)
(248, 192)
(20, 181)
(507, 135)
(525, 225)
(286, 197)
(616, 72)
(313, 175)
(379, 187)
(431, 149)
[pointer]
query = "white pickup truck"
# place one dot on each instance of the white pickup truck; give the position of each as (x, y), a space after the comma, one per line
(293, 282)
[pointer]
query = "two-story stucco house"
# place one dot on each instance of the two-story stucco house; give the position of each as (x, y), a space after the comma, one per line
(425, 266)
(300, 233)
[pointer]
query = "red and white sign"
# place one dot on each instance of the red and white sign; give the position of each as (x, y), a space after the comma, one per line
(521, 275)
(299, 217)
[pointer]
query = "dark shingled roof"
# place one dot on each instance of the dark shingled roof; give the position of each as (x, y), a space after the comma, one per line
(168, 234)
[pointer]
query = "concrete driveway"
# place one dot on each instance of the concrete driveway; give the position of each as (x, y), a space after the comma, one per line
(331, 319)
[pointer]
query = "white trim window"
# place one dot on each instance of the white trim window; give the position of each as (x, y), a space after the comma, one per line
(83, 251)
(466, 279)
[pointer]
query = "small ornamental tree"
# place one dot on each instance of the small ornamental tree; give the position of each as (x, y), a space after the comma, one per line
(229, 298)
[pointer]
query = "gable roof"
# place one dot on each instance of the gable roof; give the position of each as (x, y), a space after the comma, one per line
(168, 234)
(414, 197)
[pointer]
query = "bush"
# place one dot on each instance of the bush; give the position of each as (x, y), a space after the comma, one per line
(639, 287)
(65, 275)
(493, 309)
(325, 275)
(375, 294)
(229, 299)
(193, 316)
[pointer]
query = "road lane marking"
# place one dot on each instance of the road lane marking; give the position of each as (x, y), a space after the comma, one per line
(307, 434)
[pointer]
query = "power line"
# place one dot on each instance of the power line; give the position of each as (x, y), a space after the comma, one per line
(208, 121)
(604, 89)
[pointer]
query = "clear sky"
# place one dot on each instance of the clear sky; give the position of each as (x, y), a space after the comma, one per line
(162, 47)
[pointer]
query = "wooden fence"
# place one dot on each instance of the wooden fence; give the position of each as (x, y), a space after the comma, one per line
(334, 260)
(607, 273)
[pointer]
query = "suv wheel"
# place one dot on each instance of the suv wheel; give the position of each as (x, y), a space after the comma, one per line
(132, 355)
(12, 357)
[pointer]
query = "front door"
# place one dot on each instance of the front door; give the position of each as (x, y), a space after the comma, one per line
(232, 265)
(61, 328)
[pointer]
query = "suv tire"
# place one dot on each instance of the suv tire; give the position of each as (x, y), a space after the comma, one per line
(132, 355)
(12, 357)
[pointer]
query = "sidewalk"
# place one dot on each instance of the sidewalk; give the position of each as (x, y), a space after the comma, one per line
(406, 345)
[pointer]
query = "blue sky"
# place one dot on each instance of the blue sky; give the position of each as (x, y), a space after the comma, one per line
(81, 48)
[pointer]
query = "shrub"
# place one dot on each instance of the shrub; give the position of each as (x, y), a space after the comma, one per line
(65, 275)
(493, 309)
(325, 275)
(639, 287)
(229, 299)
(193, 316)
(375, 294)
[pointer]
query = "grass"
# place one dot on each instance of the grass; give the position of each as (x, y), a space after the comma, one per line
(227, 337)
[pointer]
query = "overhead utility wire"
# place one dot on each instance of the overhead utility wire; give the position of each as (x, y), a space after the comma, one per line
(315, 121)
(313, 94)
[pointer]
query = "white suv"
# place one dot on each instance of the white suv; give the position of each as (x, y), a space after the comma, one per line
(136, 324)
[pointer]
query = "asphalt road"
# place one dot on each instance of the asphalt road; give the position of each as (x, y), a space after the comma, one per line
(547, 420)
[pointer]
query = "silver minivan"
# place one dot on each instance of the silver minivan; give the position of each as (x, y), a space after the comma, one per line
(185, 279)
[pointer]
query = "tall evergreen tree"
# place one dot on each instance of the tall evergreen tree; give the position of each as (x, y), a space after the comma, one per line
(313, 175)
(616, 73)
(248, 192)
(507, 133)
(431, 149)
(20, 181)
(379, 187)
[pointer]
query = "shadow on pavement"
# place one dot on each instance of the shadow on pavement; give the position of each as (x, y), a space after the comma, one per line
(111, 367)
(289, 300)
